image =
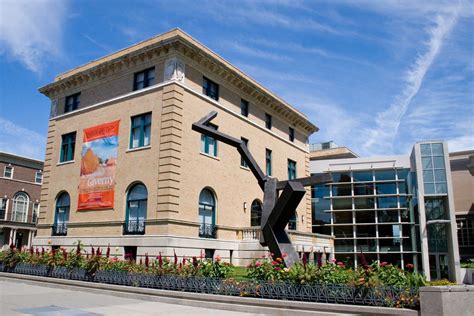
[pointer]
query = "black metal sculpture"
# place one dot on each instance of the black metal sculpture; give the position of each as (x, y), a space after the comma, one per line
(277, 208)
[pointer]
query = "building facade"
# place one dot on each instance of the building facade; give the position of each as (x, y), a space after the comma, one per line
(20, 187)
(124, 168)
(462, 173)
(397, 209)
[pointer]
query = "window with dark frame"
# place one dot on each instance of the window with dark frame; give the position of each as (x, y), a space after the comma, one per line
(244, 107)
(72, 102)
(210, 88)
(291, 169)
(8, 172)
(140, 131)
(268, 162)
(242, 160)
(291, 134)
(68, 144)
(209, 144)
(268, 121)
(144, 79)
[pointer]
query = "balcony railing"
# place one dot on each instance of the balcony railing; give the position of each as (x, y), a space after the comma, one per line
(252, 233)
(207, 231)
(18, 217)
(134, 227)
(60, 229)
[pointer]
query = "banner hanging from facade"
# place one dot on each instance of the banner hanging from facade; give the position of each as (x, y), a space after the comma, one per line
(98, 161)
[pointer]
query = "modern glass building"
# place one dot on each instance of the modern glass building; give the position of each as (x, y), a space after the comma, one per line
(392, 209)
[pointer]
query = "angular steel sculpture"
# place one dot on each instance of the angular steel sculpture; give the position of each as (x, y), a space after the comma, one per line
(277, 208)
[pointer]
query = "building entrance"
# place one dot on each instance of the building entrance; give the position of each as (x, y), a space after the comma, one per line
(439, 268)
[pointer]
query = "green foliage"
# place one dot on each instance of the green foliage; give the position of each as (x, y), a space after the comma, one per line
(440, 282)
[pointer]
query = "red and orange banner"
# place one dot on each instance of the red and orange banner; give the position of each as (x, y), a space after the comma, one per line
(99, 158)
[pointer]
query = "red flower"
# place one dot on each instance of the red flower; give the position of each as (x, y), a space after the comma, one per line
(218, 258)
(257, 264)
(410, 266)
(276, 268)
(284, 255)
(274, 263)
(383, 264)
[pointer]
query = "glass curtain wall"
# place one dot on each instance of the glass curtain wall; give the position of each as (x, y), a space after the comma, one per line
(369, 211)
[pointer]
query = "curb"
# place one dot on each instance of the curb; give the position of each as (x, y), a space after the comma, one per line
(231, 303)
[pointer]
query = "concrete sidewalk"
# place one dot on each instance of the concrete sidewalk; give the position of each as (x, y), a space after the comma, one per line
(18, 298)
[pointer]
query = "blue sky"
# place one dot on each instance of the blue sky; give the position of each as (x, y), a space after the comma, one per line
(375, 76)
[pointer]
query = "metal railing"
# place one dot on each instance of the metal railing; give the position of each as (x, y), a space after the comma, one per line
(60, 229)
(134, 227)
(207, 231)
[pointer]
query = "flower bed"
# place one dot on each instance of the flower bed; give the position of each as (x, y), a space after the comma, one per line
(373, 285)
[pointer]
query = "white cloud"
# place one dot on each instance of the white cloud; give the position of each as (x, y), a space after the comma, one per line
(254, 52)
(31, 31)
(461, 143)
(381, 137)
(21, 141)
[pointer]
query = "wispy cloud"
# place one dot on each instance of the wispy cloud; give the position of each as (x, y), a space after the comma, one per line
(31, 31)
(103, 46)
(380, 138)
(254, 52)
(461, 143)
(21, 141)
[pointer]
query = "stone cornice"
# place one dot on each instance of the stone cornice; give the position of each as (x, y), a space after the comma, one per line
(172, 43)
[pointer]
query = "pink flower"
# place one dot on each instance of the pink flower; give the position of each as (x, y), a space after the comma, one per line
(383, 264)
(263, 256)
(410, 266)
(284, 255)
(257, 264)
(333, 260)
(276, 268)
(274, 263)
(218, 258)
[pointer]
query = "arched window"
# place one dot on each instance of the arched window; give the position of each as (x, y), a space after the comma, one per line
(63, 203)
(256, 213)
(137, 198)
(207, 214)
(20, 207)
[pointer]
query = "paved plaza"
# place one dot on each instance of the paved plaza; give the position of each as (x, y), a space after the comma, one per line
(18, 298)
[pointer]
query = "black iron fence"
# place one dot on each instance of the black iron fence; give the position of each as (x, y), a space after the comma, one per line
(319, 292)
(207, 231)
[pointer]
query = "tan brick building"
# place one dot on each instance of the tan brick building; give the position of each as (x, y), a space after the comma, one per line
(20, 187)
(174, 188)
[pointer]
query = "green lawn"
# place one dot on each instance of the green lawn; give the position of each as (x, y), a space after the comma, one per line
(240, 273)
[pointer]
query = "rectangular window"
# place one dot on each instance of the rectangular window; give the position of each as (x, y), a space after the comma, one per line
(268, 161)
(268, 121)
(8, 172)
(140, 130)
(244, 107)
(209, 144)
(291, 169)
(35, 212)
(68, 145)
(144, 79)
(242, 161)
(210, 88)
(72, 102)
(291, 134)
(3, 208)
(39, 177)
